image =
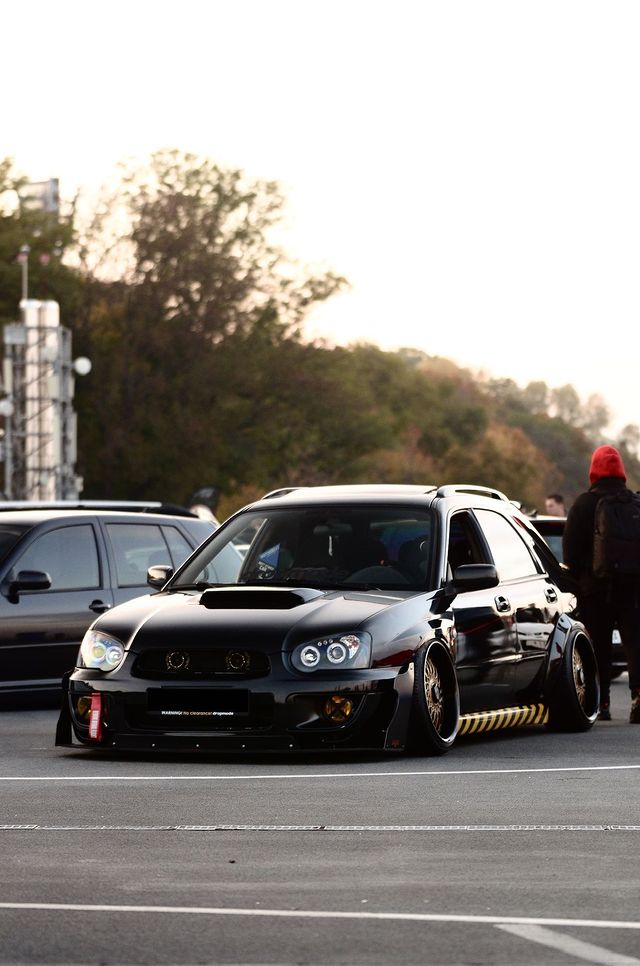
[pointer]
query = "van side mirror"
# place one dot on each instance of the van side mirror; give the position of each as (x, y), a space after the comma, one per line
(28, 580)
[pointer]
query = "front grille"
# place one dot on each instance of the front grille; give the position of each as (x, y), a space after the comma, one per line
(184, 664)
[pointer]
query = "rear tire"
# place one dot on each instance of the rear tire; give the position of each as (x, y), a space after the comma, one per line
(435, 710)
(576, 696)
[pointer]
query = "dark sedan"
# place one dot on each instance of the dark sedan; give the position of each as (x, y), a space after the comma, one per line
(341, 617)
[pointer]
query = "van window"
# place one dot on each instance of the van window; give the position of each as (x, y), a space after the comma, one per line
(68, 554)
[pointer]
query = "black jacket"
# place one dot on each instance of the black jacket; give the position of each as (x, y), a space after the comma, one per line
(577, 540)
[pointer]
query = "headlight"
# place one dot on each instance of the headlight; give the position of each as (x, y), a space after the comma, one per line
(346, 651)
(100, 651)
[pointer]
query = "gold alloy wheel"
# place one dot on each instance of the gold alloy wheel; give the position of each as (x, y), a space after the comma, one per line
(433, 694)
(579, 677)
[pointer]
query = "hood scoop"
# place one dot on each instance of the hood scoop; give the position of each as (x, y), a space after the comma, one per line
(257, 598)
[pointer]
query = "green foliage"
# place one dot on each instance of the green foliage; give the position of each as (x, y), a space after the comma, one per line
(48, 238)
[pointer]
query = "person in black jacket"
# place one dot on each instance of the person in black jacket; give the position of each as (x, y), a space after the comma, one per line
(604, 602)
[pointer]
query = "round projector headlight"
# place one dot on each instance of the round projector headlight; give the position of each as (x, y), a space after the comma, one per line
(344, 652)
(336, 652)
(100, 652)
(310, 656)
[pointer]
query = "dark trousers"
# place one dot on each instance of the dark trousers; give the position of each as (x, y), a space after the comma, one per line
(600, 613)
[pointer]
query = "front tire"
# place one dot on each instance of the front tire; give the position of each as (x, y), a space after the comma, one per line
(435, 709)
(575, 700)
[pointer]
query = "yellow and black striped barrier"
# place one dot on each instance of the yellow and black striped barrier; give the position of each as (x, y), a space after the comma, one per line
(530, 714)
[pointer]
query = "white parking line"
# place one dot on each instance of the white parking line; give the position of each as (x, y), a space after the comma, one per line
(322, 914)
(315, 775)
(318, 828)
(576, 948)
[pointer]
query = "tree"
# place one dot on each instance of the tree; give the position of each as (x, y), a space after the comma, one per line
(565, 403)
(535, 397)
(594, 416)
(49, 236)
(504, 458)
(175, 339)
(629, 439)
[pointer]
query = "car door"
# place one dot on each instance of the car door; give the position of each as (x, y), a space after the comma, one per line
(487, 641)
(41, 630)
(533, 597)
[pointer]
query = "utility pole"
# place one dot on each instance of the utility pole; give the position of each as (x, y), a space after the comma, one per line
(23, 259)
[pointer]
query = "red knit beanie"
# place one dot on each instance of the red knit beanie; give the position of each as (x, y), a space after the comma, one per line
(606, 461)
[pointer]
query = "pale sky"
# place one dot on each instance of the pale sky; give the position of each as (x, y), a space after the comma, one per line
(471, 166)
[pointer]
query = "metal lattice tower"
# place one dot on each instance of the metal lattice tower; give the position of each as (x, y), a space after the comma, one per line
(40, 430)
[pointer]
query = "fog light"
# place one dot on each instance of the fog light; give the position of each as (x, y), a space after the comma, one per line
(83, 706)
(337, 708)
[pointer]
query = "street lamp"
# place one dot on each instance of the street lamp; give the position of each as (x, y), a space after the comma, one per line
(82, 366)
(23, 259)
(6, 410)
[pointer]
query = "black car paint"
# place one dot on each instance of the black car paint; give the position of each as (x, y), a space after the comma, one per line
(552, 529)
(40, 631)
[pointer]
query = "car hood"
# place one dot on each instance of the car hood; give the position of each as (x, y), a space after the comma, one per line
(263, 618)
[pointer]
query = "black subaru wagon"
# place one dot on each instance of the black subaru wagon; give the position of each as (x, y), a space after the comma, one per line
(341, 617)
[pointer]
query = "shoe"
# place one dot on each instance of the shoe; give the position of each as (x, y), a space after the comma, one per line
(605, 713)
(634, 716)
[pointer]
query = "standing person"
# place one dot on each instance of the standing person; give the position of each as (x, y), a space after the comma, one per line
(606, 597)
(554, 505)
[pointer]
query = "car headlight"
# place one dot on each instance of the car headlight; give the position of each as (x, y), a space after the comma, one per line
(100, 651)
(339, 651)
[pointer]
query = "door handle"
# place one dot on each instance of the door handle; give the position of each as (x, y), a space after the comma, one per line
(550, 594)
(502, 604)
(98, 606)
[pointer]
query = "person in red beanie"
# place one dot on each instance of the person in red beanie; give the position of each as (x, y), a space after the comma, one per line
(604, 602)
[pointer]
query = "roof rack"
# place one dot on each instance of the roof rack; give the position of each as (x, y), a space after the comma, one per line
(281, 492)
(122, 506)
(451, 488)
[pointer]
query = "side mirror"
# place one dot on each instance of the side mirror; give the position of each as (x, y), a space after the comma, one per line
(474, 577)
(158, 575)
(28, 580)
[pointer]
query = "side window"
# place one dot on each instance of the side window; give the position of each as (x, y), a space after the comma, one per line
(178, 546)
(510, 553)
(69, 555)
(464, 546)
(136, 547)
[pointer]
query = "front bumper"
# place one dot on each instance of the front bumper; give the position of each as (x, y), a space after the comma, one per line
(370, 711)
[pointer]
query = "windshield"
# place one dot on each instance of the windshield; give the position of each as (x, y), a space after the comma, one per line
(324, 547)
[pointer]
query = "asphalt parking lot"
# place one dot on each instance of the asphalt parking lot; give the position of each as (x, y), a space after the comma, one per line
(516, 848)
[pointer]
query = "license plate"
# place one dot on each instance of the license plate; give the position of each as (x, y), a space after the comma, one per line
(192, 703)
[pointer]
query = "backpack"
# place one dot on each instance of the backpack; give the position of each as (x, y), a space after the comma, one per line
(616, 536)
